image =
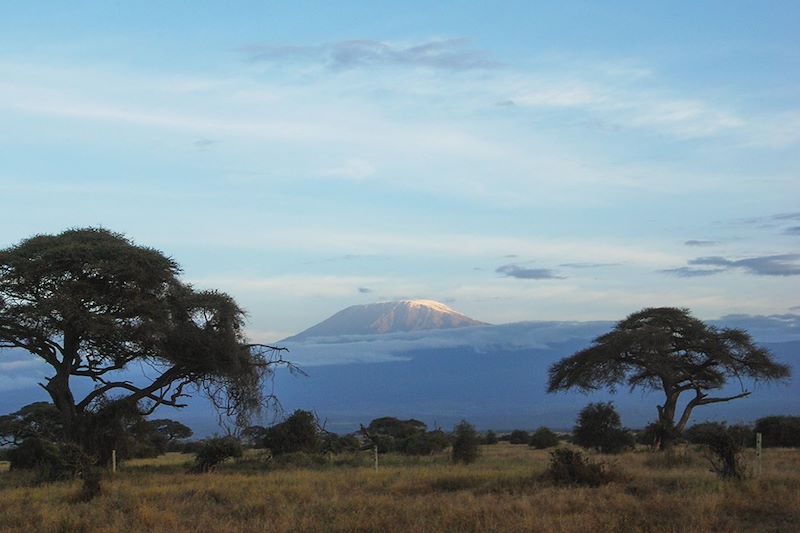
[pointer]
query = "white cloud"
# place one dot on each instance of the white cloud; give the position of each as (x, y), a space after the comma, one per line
(352, 169)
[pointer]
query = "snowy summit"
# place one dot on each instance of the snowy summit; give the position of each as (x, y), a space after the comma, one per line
(388, 317)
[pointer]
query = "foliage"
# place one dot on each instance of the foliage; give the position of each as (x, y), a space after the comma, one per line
(39, 419)
(781, 431)
(703, 432)
(657, 432)
(724, 449)
(543, 438)
(50, 461)
(571, 467)
(253, 436)
(518, 436)
(424, 443)
(466, 443)
(490, 437)
(333, 443)
(599, 427)
(90, 303)
(298, 433)
(393, 427)
(214, 451)
(409, 437)
(669, 350)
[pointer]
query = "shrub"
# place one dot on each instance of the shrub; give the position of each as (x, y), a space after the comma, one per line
(214, 451)
(333, 443)
(490, 438)
(519, 436)
(783, 431)
(465, 443)
(298, 433)
(571, 467)
(723, 447)
(424, 443)
(657, 433)
(599, 427)
(543, 438)
(51, 461)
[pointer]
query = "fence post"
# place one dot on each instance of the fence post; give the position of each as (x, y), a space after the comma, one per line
(113, 461)
(758, 454)
(375, 449)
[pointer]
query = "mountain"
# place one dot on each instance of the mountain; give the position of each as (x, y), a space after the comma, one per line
(388, 317)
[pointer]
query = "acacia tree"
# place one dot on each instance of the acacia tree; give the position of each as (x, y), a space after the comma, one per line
(669, 350)
(91, 304)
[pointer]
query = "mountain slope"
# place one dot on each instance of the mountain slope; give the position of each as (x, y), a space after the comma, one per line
(388, 317)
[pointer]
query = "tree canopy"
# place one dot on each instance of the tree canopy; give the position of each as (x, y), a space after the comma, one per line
(669, 350)
(90, 304)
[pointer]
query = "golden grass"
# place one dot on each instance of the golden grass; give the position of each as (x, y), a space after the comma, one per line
(503, 491)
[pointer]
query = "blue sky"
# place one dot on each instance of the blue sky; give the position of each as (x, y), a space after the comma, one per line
(516, 160)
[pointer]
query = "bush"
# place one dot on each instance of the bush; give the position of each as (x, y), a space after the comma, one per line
(783, 431)
(599, 427)
(51, 461)
(490, 438)
(657, 434)
(571, 467)
(424, 443)
(465, 443)
(543, 438)
(214, 451)
(333, 443)
(519, 436)
(298, 433)
(723, 446)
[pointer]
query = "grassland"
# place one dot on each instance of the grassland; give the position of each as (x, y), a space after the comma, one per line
(503, 491)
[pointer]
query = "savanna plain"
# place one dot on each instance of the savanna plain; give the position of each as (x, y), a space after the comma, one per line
(506, 489)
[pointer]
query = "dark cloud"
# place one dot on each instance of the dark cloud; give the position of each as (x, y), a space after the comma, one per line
(450, 54)
(769, 265)
(364, 290)
(700, 243)
(516, 271)
(588, 265)
(794, 230)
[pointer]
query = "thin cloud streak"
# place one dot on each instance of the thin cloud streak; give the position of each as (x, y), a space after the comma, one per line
(450, 54)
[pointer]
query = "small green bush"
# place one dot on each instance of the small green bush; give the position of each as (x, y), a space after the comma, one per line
(465, 443)
(571, 467)
(519, 436)
(214, 451)
(543, 438)
(599, 428)
(51, 461)
(783, 431)
(724, 450)
(490, 437)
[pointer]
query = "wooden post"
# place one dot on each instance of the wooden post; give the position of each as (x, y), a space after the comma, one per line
(758, 454)
(375, 449)
(113, 461)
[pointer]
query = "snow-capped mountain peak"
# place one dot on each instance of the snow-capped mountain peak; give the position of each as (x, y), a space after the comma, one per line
(388, 317)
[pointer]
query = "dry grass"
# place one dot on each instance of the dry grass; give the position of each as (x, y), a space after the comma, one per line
(503, 491)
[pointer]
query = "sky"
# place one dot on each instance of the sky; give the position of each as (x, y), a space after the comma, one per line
(514, 160)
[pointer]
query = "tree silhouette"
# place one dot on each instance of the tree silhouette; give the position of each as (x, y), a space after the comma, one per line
(669, 350)
(91, 304)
